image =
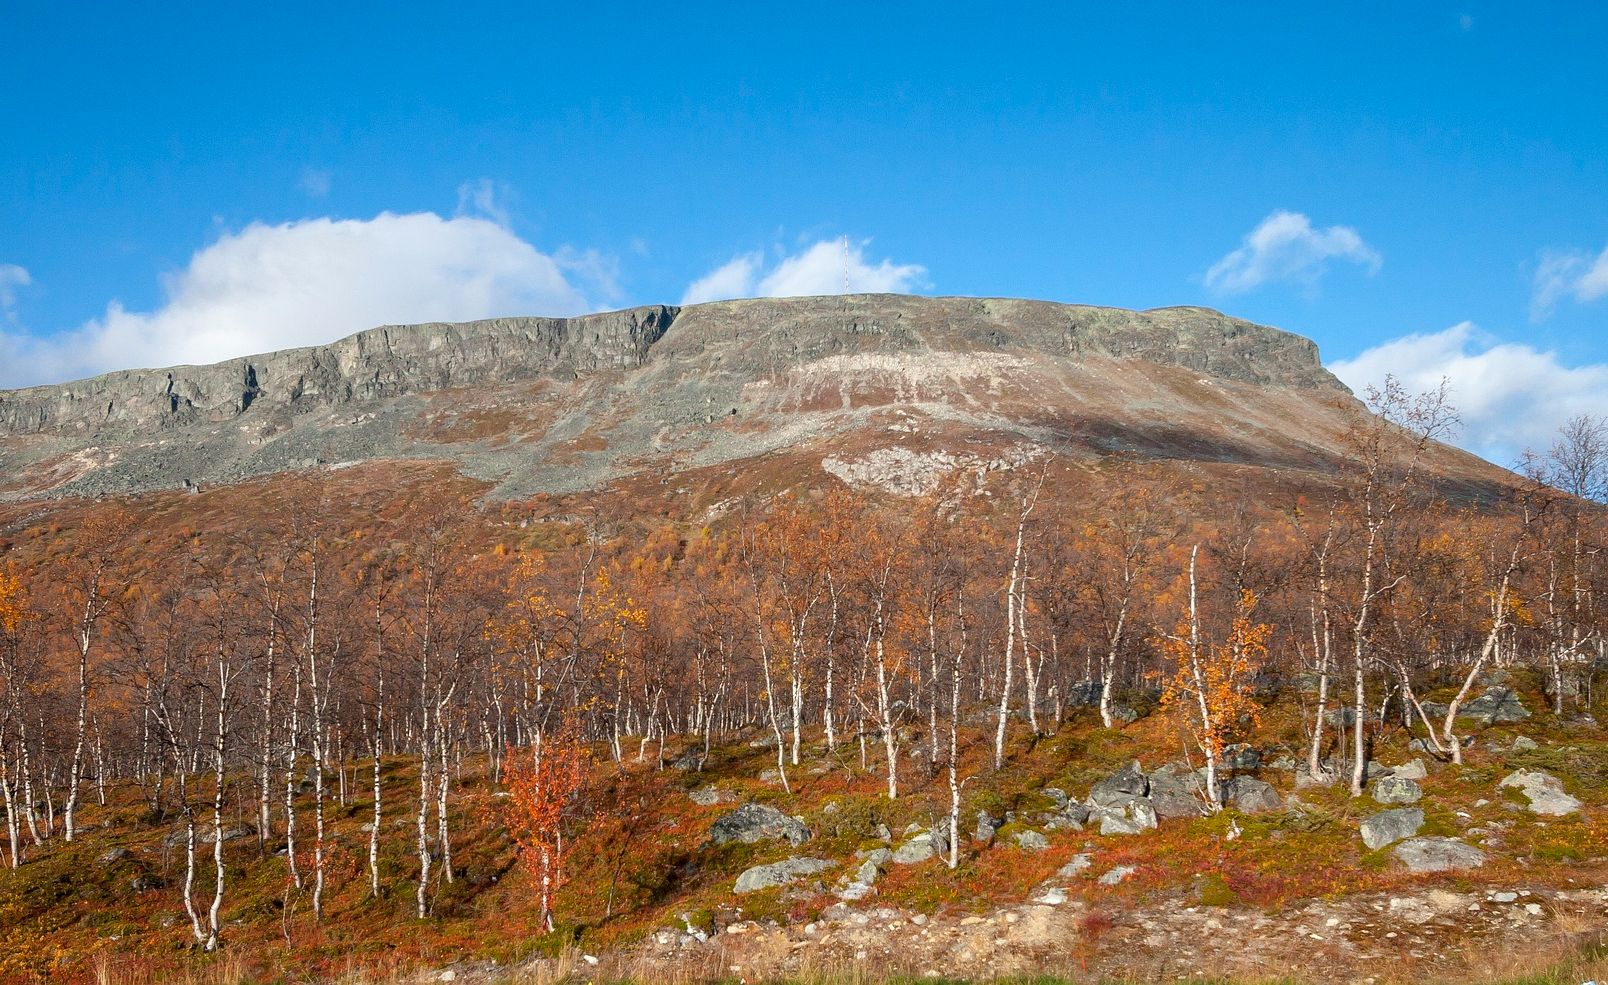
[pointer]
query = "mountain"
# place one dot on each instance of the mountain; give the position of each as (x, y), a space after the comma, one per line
(884, 390)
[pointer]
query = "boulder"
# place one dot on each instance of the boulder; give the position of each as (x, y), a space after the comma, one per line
(917, 849)
(779, 873)
(751, 823)
(1241, 756)
(1032, 841)
(1391, 826)
(1328, 777)
(1083, 694)
(1114, 822)
(1396, 790)
(1177, 791)
(987, 824)
(1250, 795)
(691, 762)
(1120, 787)
(1524, 743)
(705, 796)
(1542, 789)
(1497, 704)
(1438, 855)
(1413, 769)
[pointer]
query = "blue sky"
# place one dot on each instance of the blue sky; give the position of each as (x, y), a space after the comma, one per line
(1422, 188)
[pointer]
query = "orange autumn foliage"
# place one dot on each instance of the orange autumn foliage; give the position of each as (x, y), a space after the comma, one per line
(541, 787)
(1218, 680)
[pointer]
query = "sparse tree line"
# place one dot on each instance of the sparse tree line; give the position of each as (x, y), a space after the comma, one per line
(273, 677)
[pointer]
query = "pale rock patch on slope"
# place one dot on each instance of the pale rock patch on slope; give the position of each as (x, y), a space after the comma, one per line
(910, 473)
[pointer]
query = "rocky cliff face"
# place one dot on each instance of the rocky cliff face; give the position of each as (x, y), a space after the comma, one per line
(540, 404)
(373, 365)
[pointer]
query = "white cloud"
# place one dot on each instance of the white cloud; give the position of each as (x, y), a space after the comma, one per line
(832, 266)
(1510, 396)
(11, 278)
(486, 199)
(1568, 274)
(315, 182)
(305, 283)
(1285, 247)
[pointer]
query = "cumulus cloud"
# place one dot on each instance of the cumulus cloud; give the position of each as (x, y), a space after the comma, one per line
(1286, 247)
(828, 267)
(270, 287)
(11, 278)
(1510, 396)
(1564, 274)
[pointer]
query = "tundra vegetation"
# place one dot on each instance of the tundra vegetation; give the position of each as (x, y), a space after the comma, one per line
(345, 738)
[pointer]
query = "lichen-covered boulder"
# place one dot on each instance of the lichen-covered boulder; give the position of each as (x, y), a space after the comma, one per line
(1391, 826)
(751, 823)
(1396, 790)
(779, 873)
(1543, 790)
(1438, 855)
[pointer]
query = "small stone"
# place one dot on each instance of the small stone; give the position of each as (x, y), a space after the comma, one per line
(1116, 875)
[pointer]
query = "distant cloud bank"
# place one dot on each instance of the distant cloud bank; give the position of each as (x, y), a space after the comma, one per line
(1511, 396)
(1285, 247)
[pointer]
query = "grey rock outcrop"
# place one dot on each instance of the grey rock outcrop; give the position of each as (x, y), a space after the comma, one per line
(779, 873)
(752, 823)
(1391, 826)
